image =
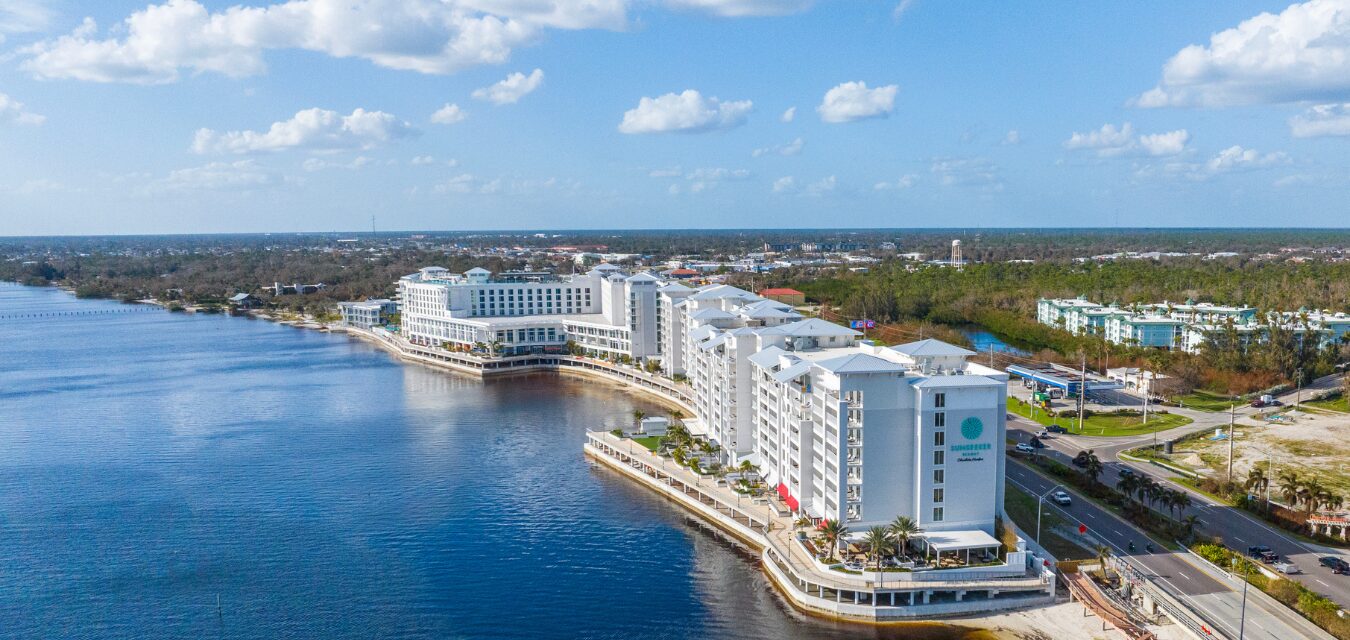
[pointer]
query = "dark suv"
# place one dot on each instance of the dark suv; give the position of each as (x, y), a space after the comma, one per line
(1336, 564)
(1255, 551)
(1054, 428)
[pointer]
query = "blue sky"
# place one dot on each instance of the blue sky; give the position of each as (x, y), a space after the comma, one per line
(292, 115)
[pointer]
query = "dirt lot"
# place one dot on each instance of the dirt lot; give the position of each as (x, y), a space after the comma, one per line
(1306, 441)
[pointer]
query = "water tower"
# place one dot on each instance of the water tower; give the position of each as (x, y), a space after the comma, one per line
(956, 255)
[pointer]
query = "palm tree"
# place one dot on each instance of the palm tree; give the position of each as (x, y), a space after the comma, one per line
(676, 416)
(1258, 483)
(833, 531)
(1103, 554)
(638, 415)
(1092, 466)
(1183, 501)
(878, 542)
(1290, 484)
(1188, 525)
(903, 528)
(1127, 486)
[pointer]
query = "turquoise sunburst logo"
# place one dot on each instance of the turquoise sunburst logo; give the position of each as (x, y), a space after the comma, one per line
(972, 428)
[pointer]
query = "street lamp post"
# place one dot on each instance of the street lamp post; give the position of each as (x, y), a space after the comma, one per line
(1242, 620)
(1040, 503)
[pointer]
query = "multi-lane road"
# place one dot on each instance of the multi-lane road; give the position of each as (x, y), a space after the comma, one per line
(1238, 529)
(1215, 596)
(1217, 599)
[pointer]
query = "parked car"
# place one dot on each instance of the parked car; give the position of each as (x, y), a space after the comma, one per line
(1256, 550)
(1335, 563)
(1061, 498)
(1258, 403)
(1270, 557)
(1287, 568)
(1054, 428)
(1025, 448)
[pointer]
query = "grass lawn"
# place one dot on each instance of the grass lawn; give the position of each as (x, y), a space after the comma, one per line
(651, 442)
(1206, 401)
(1021, 507)
(1335, 404)
(1104, 424)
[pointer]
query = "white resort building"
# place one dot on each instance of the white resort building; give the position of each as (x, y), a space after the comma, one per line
(839, 427)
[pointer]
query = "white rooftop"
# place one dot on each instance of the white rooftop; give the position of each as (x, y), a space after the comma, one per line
(960, 540)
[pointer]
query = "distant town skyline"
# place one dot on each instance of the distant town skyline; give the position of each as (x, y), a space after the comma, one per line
(315, 115)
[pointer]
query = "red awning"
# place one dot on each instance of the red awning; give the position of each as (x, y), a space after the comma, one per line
(787, 496)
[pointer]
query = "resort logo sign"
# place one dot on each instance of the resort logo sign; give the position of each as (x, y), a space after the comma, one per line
(971, 429)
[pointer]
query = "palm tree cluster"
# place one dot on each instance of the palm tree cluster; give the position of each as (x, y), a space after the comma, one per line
(1307, 493)
(880, 542)
(1145, 491)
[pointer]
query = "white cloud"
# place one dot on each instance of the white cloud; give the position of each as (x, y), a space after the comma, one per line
(665, 173)
(1109, 141)
(743, 8)
(315, 164)
(1165, 144)
(1301, 54)
(687, 112)
(464, 183)
(449, 114)
(1234, 159)
(23, 16)
(36, 186)
(822, 186)
(717, 174)
(155, 44)
(467, 183)
(853, 101)
(790, 149)
(975, 173)
(311, 129)
(218, 176)
(900, 9)
(1322, 120)
(420, 161)
(512, 89)
(785, 183)
(12, 110)
(903, 182)
(1012, 137)
(788, 115)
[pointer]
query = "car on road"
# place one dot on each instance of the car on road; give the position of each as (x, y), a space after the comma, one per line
(1061, 498)
(1335, 563)
(1270, 557)
(1125, 472)
(1256, 550)
(1258, 403)
(1287, 568)
(1054, 428)
(1025, 448)
(1045, 433)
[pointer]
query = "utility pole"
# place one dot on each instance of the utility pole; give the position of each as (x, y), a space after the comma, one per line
(1082, 393)
(1231, 424)
(991, 355)
(1298, 397)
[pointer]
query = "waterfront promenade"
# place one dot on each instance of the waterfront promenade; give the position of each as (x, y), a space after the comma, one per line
(813, 586)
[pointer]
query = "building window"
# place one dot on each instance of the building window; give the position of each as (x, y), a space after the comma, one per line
(938, 495)
(939, 419)
(939, 400)
(937, 514)
(939, 476)
(939, 457)
(939, 438)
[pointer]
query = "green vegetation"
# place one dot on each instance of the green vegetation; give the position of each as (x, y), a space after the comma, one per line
(1314, 606)
(1021, 507)
(1334, 401)
(1205, 401)
(651, 442)
(1102, 424)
